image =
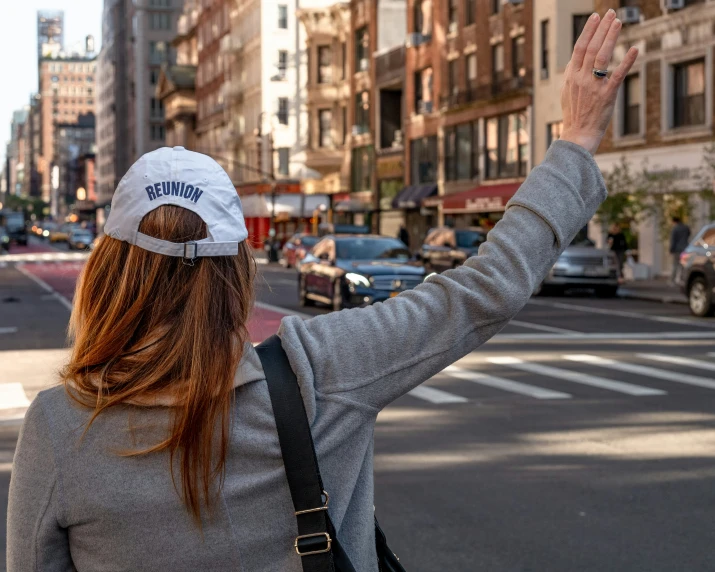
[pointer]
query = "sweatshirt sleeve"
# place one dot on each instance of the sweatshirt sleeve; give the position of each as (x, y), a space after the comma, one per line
(373, 355)
(36, 539)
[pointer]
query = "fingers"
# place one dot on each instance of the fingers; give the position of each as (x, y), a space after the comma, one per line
(579, 51)
(594, 46)
(623, 68)
(606, 52)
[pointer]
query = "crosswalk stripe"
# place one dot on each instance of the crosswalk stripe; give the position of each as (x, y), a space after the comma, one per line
(575, 377)
(676, 360)
(643, 370)
(12, 396)
(434, 395)
(9, 330)
(505, 384)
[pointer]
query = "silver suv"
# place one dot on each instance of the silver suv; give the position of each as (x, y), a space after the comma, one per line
(582, 265)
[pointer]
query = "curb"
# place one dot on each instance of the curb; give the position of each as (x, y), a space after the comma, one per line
(663, 299)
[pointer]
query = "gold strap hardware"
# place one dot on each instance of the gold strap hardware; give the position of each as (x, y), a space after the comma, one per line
(309, 510)
(328, 540)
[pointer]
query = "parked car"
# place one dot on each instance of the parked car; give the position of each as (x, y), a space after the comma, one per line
(446, 248)
(80, 239)
(328, 228)
(4, 239)
(582, 265)
(349, 271)
(46, 228)
(62, 232)
(14, 224)
(295, 249)
(697, 272)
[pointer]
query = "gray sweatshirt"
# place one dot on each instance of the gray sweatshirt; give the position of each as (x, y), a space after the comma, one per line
(78, 505)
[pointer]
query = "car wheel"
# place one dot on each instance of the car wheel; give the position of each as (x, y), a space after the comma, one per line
(700, 298)
(607, 291)
(337, 295)
(303, 299)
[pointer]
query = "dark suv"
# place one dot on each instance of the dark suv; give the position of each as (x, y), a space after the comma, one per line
(697, 272)
(446, 248)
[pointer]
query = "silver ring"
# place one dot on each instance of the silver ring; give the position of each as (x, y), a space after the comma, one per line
(600, 74)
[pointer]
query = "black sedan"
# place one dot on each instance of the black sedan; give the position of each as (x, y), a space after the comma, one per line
(350, 271)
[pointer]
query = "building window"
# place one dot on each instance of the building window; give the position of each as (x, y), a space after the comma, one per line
(309, 64)
(553, 132)
(497, 63)
(422, 14)
(453, 15)
(453, 77)
(157, 109)
(325, 126)
(472, 68)
(362, 50)
(283, 16)
(689, 93)
(632, 105)
(470, 12)
(544, 49)
(461, 155)
(507, 146)
(423, 160)
(157, 53)
(343, 60)
(160, 21)
(283, 110)
(157, 132)
(518, 58)
(160, 3)
(325, 64)
(282, 63)
(362, 113)
(423, 91)
(496, 6)
(283, 160)
(345, 125)
(362, 169)
(154, 76)
(579, 22)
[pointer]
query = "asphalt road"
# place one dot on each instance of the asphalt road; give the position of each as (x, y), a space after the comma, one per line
(581, 438)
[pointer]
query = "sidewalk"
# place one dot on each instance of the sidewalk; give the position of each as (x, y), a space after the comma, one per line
(657, 290)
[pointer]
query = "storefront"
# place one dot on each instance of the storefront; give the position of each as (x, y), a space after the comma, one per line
(481, 206)
(419, 214)
(390, 182)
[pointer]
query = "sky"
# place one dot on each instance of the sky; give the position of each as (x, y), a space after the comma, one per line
(18, 48)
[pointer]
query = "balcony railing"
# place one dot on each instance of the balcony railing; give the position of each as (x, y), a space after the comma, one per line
(389, 63)
(507, 85)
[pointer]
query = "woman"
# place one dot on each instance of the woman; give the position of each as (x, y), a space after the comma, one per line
(160, 451)
(618, 245)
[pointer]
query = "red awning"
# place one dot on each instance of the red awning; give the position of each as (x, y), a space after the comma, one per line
(482, 199)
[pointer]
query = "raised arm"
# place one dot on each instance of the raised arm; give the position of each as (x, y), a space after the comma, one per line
(373, 355)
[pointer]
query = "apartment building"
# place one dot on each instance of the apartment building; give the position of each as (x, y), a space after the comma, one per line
(327, 84)
(16, 156)
(664, 115)
(468, 98)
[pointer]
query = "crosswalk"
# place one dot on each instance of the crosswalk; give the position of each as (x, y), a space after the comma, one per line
(569, 376)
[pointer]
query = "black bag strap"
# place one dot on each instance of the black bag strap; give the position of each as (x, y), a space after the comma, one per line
(316, 534)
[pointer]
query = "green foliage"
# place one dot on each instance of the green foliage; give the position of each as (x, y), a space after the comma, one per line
(627, 196)
(28, 205)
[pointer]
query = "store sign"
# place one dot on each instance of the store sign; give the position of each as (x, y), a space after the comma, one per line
(391, 168)
(485, 204)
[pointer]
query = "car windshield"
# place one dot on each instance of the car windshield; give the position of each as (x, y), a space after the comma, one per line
(371, 248)
(309, 241)
(14, 221)
(81, 234)
(470, 238)
(581, 241)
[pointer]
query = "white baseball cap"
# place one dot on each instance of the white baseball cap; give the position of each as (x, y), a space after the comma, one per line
(175, 176)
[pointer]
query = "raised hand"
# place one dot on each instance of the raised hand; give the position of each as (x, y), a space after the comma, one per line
(589, 96)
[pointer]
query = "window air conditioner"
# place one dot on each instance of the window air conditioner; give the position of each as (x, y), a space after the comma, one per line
(674, 4)
(453, 27)
(364, 64)
(629, 14)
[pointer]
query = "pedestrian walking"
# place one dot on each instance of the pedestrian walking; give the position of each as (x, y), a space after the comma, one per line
(404, 235)
(679, 239)
(167, 445)
(618, 245)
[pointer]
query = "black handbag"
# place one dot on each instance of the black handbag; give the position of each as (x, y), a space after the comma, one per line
(316, 542)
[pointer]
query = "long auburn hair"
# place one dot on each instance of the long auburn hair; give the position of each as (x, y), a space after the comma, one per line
(145, 325)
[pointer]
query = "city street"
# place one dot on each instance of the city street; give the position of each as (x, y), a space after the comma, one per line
(581, 438)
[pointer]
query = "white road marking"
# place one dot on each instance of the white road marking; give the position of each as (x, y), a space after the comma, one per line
(47, 288)
(643, 370)
(504, 384)
(611, 336)
(8, 330)
(45, 256)
(575, 377)
(676, 360)
(621, 313)
(12, 396)
(551, 329)
(436, 396)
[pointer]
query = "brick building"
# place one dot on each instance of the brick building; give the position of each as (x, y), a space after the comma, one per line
(469, 74)
(664, 115)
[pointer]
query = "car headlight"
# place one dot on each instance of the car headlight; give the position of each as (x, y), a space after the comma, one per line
(45, 233)
(358, 279)
(5, 238)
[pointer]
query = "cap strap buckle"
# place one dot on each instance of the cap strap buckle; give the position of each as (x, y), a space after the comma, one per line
(190, 253)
